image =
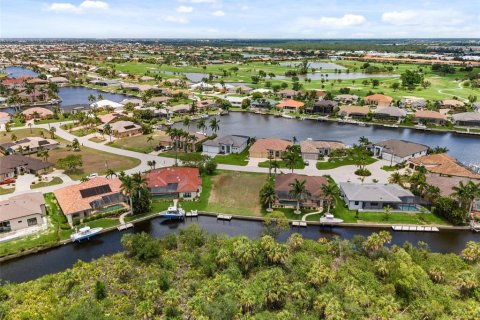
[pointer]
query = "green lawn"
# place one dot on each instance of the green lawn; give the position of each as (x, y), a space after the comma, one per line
(389, 168)
(6, 190)
(55, 180)
(83, 132)
(340, 162)
(236, 159)
(283, 165)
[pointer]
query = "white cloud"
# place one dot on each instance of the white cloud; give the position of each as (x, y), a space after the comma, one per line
(198, 1)
(401, 17)
(175, 19)
(98, 5)
(71, 8)
(218, 13)
(184, 9)
(348, 20)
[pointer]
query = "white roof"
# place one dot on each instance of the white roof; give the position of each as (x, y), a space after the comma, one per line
(106, 103)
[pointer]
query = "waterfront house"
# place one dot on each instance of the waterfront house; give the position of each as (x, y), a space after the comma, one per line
(313, 184)
(269, 147)
(235, 101)
(15, 164)
(287, 93)
(427, 116)
(263, 103)
(174, 182)
(467, 119)
(101, 104)
(225, 145)
(109, 117)
(22, 211)
(446, 183)
(398, 151)
(375, 197)
(122, 129)
(358, 112)
(97, 195)
(132, 101)
(58, 80)
(179, 108)
(315, 149)
(37, 113)
(389, 113)
(452, 104)
(442, 164)
(290, 105)
(347, 98)
(323, 107)
(28, 145)
(159, 100)
(378, 100)
(105, 83)
(243, 89)
(414, 102)
(206, 104)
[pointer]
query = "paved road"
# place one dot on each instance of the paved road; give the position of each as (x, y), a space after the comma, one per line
(341, 174)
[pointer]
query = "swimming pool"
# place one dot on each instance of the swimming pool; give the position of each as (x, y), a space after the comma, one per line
(408, 207)
(111, 208)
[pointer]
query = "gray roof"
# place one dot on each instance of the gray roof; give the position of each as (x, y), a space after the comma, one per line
(467, 116)
(391, 111)
(233, 140)
(10, 162)
(401, 148)
(374, 192)
(23, 205)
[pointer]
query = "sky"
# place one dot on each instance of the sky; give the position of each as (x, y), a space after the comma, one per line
(316, 19)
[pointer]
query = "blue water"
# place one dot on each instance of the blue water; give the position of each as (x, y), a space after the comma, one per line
(316, 65)
(16, 72)
(79, 95)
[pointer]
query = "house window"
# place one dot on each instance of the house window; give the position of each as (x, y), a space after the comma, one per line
(356, 203)
(32, 222)
(19, 221)
(187, 195)
(374, 204)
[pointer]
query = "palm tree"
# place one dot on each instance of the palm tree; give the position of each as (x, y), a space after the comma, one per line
(127, 187)
(30, 126)
(396, 178)
(290, 158)
(149, 139)
(110, 173)
(107, 129)
(364, 141)
(192, 139)
(298, 191)
(275, 165)
(13, 137)
(466, 193)
(100, 97)
(268, 195)
(330, 192)
(91, 98)
(186, 123)
(152, 164)
(214, 124)
(84, 179)
(52, 132)
(43, 153)
(201, 124)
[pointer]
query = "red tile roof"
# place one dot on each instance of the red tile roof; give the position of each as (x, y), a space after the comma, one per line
(188, 179)
(290, 103)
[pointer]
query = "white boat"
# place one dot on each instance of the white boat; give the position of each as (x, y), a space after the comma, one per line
(287, 116)
(173, 212)
(85, 233)
(329, 219)
(362, 124)
(204, 116)
(420, 126)
(169, 123)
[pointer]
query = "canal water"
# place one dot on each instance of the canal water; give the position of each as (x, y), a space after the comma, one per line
(16, 72)
(58, 259)
(463, 147)
(72, 96)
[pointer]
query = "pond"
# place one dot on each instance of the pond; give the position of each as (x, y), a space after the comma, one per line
(17, 72)
(191, 76)
(463, 147)
(314, 64)
(58, 259)
(337, 76)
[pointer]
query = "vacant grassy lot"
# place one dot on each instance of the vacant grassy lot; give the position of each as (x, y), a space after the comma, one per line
(236, 159)
(23, 133)
(340, 162)
(139, 143)
(283, 165)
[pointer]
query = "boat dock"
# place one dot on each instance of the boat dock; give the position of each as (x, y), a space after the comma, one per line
(224, 217)
(299, 224)
(192, 214)
(125, 226)
(475, 226)
(415, 228)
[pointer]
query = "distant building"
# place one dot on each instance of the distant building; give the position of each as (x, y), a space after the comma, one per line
(314, 149)
(28, 145)
(270, 147)
(122, 129)
(313, 184)
(427, 116)
(378, 100)
(290, 105)
(37, 113)
(467, 119)
(12, 165)
(443, 165)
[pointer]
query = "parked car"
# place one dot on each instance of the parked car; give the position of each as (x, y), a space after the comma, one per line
(159, 148)
(306, 163)
(92, 175)
(7, 181)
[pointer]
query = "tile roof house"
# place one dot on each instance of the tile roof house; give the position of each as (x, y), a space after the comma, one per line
(312, 183)
(374, 197)
(174, 182)
(347, 98)
(354, 111)
(392, 113)
(378, 100)
(226, 144)
(28, 145)
(22, 211)
(313, 149)
(445, 183)
(12, 165)
(471, 119)
(452, 104)
(290, 105)
(427, 116)
(323, 107)
(398, 151)
(37, 113)
(263, 103)
(269, 147)
(287, 93)
(89, 197)
(444, 165)
(122, 129)
(106, 118)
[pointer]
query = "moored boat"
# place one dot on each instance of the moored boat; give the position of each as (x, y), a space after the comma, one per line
(173, 212)
(85, 233)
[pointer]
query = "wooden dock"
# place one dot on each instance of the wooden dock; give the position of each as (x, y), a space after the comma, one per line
(475, 226)
(192, 214)
(415, 228)
(224, 217)
(125, 226)
(299, 224)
